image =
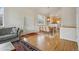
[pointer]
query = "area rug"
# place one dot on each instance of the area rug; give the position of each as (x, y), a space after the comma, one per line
(18, 46)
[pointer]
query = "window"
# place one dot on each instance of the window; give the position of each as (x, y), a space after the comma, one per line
(1, 17)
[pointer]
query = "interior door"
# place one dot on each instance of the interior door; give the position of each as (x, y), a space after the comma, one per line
(29, 24)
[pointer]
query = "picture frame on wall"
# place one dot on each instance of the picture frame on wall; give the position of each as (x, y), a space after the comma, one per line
(40, 20)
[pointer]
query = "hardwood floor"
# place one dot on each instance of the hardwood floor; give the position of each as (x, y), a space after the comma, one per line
(47, 42)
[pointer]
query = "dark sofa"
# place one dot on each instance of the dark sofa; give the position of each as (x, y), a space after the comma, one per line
(9, 34)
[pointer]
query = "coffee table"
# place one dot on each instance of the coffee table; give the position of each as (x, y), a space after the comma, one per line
(6, 46)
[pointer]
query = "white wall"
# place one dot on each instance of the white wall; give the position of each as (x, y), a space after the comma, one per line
(29, 21)
(68, 17)
(16, 17)
(77, 24)
(13, 18)
(68, 33)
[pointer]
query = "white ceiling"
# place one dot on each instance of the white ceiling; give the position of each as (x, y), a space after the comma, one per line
(39, 10)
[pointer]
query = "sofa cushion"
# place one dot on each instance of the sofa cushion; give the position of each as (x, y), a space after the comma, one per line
(5, 31)
(14, 30)
(8, 36)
